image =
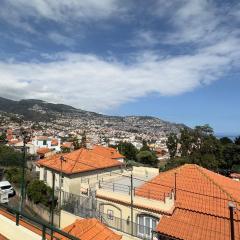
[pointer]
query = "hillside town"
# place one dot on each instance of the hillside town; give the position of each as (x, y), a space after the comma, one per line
(119, 120)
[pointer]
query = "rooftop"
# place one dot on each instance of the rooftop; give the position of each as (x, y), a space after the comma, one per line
(201, 207)
(91, 229)
(81, 160)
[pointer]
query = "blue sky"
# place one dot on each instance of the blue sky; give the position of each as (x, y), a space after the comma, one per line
(178, 60)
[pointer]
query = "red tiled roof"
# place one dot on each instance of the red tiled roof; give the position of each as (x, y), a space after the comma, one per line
(81, 160)
(67, 144)
(54, 142)
(90, 229)
(2, 237)
(202, 199)
(43, 150)
(107, 152)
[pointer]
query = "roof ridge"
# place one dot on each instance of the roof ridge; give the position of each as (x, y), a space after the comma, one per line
(215, 183)
(77, 159)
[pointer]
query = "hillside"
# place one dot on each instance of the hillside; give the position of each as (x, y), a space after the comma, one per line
(67, 117)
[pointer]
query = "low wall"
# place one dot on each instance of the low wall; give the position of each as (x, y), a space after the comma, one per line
(145, 170)
(40, 210)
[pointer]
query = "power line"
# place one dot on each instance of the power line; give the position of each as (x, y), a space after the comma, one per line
(157, 184)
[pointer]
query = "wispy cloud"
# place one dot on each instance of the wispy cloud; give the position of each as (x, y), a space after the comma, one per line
(93, 82)
(90, 82)
(61, 39)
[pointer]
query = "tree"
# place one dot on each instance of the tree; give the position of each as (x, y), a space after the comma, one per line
(128, 150)
(147, 157)
(225, 140)
(14, 175)
(3, 138)
(172, 143)
(186, 141)
(83, 143)
(237, 140)
(10, 157)
(145, 146)
(39, 192)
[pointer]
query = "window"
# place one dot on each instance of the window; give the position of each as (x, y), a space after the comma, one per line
(146, 224)
(44, 142)
(110, 214)
(45, 174)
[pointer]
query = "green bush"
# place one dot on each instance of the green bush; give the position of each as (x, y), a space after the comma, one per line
(39, 192)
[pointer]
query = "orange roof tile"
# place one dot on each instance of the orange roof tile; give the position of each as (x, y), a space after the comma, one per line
(90, 229)
(81, 160)
(2, 237)
(67, 144)
(43, 150)
(107, 152)
(54, 142)
(201, 194)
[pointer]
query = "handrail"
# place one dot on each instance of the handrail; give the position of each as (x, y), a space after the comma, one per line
(44, 225)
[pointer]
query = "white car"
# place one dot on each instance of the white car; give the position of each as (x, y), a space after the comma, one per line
(6, 187)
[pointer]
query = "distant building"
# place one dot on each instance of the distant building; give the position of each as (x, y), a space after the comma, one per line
(47, 142)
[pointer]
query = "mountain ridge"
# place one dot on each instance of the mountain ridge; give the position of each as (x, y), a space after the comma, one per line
(41, 111)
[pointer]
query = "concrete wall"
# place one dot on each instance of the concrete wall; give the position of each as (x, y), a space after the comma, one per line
(145, 170)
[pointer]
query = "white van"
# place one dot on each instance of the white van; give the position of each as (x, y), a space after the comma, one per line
(7, 188)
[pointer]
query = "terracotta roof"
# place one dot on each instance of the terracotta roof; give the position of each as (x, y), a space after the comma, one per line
(202, 199)
(43, 150)
(54, 142)
(13, 141)
(42, 138)
(107, 152)
(2, 237)
(90, 229)
(81, 160)
(67, 144)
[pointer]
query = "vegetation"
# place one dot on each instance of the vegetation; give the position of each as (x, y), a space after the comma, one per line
(135, 157)
(83, 143)
(147, 157)
(39, 192)
(14, 174)
(201, 147)
(10, 157)
(36, 190)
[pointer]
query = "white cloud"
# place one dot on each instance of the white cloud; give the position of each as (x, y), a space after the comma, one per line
(94, 83)
(61, 39)
(144, 38)
(62, 11)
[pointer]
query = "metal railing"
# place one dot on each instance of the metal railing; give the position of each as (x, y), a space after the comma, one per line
(88, 207)
(45, 228)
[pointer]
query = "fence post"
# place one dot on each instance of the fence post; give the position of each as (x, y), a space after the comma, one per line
(99, 184)
(43, 233)
(17, 219)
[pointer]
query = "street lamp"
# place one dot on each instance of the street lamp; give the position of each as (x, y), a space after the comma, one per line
(26, 138)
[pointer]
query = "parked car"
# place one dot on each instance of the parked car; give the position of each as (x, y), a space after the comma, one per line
(7, 188)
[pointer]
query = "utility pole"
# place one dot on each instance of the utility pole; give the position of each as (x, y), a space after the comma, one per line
(62, 159)
(231, 207)
(52, 203)
(131, 204)
(25, 138)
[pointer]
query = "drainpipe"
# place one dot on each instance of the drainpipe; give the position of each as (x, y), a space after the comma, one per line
(231, 207)
(131, 204)
(175, 186)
